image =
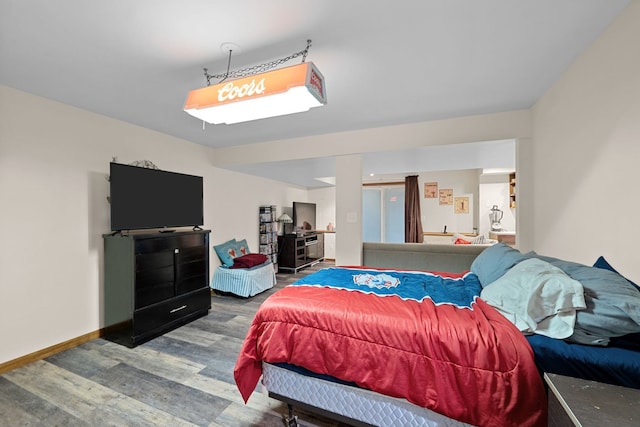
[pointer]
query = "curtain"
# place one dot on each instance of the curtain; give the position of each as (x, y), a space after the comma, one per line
(412, 217)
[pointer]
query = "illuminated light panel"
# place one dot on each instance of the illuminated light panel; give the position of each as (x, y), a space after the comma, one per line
(279, 92)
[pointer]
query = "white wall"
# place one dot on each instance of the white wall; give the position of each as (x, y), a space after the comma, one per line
(53, 211)
(325, 200)
(484, 127)
(237, 197)
(585, 154)
(349, 210)
(434, 215)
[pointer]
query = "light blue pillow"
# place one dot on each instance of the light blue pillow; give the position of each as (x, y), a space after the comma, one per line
(493, 262)
(226, 252)
(242, 248)
(613, 304)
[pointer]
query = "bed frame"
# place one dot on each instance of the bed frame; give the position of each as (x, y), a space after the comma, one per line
(345, 403)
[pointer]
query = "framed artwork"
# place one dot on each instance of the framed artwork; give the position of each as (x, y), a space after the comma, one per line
(430, 190)
(446, 196)
(461, 205)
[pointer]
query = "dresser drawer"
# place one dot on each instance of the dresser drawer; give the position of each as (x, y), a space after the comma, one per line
(164, 315)
(164, 243)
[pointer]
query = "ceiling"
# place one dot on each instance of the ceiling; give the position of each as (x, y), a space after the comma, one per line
(384, 63)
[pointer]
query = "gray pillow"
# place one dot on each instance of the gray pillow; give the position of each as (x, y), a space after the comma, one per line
(613, 304)
(493, 262)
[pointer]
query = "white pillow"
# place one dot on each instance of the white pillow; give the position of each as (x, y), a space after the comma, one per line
(537, 298)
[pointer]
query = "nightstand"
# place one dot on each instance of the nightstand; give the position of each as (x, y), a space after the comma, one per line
(577, 402)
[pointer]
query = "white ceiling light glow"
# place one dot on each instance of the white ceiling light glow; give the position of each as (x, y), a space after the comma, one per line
(279, 92)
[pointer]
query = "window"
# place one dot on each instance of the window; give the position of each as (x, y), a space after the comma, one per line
(383, 213)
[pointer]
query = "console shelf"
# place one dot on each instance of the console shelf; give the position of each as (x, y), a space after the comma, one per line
(298, 252)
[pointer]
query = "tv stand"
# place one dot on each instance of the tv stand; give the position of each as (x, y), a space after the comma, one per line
(298, 252)
(153, 283)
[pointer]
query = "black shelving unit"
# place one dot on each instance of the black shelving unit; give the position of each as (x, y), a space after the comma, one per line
(298, 252)
(269, 233)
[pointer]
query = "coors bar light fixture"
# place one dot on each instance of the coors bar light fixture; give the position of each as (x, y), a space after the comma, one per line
(255, 93)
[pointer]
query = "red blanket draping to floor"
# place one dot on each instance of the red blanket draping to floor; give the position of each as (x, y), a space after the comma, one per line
(468, 363)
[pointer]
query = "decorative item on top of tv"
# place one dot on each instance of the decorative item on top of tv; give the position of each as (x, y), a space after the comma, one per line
(144, 164)
(495, 216)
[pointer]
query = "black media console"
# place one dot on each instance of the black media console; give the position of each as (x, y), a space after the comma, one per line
(297, 252)
(154, 282)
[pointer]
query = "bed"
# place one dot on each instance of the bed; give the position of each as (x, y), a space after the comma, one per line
(358, 344)
(372, 330)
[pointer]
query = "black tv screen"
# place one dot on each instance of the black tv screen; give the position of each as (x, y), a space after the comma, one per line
(304, 217)
(150, 198)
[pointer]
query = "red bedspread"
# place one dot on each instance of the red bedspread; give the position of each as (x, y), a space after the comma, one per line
(468, 363)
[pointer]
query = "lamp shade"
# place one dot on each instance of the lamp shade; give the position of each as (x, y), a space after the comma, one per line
(279, 92)
(285, 218)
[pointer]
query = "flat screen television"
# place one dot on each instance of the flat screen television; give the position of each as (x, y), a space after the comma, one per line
(143, 198)
(304, 217)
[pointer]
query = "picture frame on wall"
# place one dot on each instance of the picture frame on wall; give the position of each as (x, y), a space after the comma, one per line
(461, 205)
(446, 196)
(430, 190)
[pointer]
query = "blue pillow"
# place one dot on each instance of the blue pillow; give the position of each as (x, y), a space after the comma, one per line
(225, 251)
(613, 304)
(493, 262)
(602, 263)
(242, 248)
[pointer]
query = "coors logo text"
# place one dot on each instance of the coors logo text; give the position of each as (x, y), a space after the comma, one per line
(231, 91)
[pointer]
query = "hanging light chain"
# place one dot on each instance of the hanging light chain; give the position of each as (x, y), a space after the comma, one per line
(256, 69)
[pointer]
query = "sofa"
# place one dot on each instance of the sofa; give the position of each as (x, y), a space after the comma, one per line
(420, 256)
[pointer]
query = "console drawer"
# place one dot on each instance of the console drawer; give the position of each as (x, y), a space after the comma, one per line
(164, 315)
(169, 243)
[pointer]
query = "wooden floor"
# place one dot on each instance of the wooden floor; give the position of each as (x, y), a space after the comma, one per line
(183, 378)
